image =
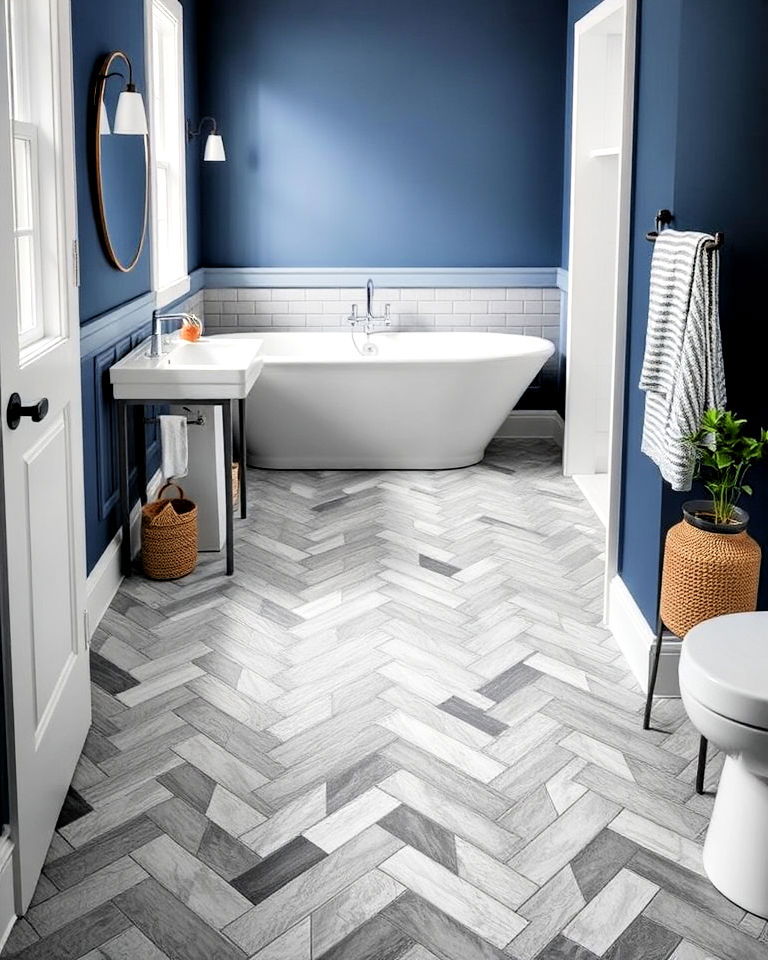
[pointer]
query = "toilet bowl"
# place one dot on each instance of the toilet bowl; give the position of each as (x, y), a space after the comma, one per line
(724, 687)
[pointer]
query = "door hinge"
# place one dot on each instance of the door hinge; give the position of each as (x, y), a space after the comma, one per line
(87, 626)
(76, 261)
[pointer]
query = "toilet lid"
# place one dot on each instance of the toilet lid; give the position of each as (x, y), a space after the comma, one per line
(724, 665)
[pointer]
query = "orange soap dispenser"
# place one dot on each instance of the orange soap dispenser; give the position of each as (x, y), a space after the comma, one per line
(191, 328)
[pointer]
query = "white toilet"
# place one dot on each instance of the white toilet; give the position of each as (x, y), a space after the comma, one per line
(724, 686)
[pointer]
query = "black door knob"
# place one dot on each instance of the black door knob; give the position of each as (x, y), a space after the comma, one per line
(16, 410)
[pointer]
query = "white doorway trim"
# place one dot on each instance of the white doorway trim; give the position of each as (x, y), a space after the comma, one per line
(579, 347)
(42, 568)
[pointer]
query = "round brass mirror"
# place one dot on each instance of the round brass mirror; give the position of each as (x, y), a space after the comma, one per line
(120, 170)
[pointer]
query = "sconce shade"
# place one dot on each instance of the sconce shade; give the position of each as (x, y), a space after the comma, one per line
(104, 130)
(130, 116)
(214, 148)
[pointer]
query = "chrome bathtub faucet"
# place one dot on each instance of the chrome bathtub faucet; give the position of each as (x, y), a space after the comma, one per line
(370, 320)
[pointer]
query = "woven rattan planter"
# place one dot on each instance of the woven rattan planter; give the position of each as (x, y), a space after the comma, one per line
(709, 569)
(169, 536)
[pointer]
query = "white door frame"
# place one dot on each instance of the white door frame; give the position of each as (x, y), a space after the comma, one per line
(47, 701)
(618, 347)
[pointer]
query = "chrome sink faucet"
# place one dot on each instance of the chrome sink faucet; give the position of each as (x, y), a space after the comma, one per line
(156, 340)
(370, 320)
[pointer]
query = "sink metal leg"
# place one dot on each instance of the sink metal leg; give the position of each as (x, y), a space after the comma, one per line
(141, 452)
(243, 460)
(125, 507)
(227, 416)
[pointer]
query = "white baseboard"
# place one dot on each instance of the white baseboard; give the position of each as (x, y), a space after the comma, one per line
(7, 905)
(635, 639)
(105, 578)
(546, 424)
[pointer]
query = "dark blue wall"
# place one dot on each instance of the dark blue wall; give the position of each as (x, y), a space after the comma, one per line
(701, 144)
(576, 10)
(656, 110)
(398, 133)
(98, 28)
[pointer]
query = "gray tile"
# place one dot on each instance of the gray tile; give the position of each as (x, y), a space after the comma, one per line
(469, 713)
(176, 818)
(375, 940)
(224, 854)
(437, 566)
(355, 781)
(644, 940)
(85, 896)
(601, 860)
(388, 597)
(190, 784)
(437, 931)
(78, 937)
(561, 841)
(686, 885)
(302, 895)
(108, 676)
(423, 834)
(174, 928)
(277, 869)
(191, 881)
(131, 945)
(20, 937)
(486, 800)
(633, 797)
(508, 682)
(693, 924)
(561, 948)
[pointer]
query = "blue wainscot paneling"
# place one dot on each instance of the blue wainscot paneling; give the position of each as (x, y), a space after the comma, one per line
(103, 342)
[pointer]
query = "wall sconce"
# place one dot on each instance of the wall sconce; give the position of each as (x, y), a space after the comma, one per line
(130, 116)
(214, 145)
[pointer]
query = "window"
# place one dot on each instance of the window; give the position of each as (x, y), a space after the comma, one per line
(26, 233)
(165, 36)
(40, 244)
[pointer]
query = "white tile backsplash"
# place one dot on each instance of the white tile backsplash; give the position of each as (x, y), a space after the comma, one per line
(530, 310)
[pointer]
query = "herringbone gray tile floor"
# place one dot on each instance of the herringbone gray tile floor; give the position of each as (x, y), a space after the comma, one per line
(399, 731)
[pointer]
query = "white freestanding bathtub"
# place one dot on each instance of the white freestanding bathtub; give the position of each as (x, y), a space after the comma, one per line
(422, 401)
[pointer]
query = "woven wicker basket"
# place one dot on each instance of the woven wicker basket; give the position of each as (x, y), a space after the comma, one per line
(707, 574)
(169, 536)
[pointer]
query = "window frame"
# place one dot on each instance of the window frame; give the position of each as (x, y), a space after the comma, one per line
(35, 72)
(21, 130)
(167, 289)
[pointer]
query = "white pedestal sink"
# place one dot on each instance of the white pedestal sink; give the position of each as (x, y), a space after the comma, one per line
(210, 372)
(211, 368)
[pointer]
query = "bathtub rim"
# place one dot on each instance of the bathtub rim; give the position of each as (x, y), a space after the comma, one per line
(540, 347)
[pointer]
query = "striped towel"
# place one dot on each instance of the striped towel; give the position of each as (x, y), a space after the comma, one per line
(683, 365)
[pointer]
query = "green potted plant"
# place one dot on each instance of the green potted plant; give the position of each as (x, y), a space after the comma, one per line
(723, 457)
(711, 564)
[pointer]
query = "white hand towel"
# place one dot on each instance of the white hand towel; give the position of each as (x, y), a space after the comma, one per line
(682, 371)
(173, 438)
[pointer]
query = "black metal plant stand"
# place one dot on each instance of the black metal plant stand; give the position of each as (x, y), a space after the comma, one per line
(702, 762)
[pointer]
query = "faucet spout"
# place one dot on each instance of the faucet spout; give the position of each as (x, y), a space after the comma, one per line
(369, 295)
(156, 340)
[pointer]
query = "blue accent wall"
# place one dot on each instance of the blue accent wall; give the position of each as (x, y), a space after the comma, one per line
(97, 29)
(116, 307)
(701, 143)
(370, 133)
(576, 10)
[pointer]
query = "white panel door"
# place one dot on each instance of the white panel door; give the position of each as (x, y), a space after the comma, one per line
(45, 644)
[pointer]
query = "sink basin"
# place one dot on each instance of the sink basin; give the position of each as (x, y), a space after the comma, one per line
(211, 369)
